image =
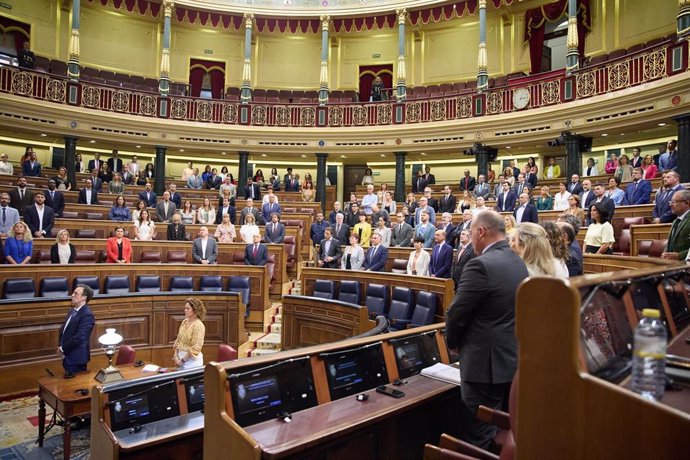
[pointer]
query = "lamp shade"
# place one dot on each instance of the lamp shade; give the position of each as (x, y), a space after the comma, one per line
(110, 338)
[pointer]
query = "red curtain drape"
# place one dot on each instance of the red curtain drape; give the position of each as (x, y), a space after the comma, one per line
(535, 20)
(217, 83)
(196, 79)
(367, 73)
(22, 31)
(198, 68)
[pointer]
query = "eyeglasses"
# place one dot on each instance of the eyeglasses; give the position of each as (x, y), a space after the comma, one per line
(679, 201)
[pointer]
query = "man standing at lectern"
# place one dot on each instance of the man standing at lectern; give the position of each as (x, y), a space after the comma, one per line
(75, 334)
(480, 323)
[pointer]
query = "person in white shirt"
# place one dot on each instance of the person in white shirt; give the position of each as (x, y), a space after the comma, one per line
(480, 206)
(6, 167)
(418, 263)
(369, 200)
(560, 199)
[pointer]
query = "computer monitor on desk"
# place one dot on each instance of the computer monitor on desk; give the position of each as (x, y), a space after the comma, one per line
(140, 404)
(355, 370)
(414, 353)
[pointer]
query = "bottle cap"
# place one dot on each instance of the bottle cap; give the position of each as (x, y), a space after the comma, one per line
(651, 313)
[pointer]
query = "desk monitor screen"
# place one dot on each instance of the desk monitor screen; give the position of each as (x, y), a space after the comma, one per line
(356, 370)
(606, 335)
(412, 354)
(195, 395)
(143, 404)
(677, 296)
(261, 394)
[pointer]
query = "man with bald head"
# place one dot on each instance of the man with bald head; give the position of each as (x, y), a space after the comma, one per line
(526, 211)
(441, 256)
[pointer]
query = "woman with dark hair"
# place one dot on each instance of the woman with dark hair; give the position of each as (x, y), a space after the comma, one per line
(149, 172)
(206, 173)
(418, 263)
(259, 177)
(79, 164)
(119, 211)
(363, 230)
(308, 192)
(599, 237)
(141, 205)
(533, 168)
(62, 252)
(190, 337)
(353, 255)
(591, 169)
(615, 193)
(575, 209)
(223, 173)
(118, 248)
(368, 177)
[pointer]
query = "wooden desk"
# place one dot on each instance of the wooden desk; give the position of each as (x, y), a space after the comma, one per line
(62, 396)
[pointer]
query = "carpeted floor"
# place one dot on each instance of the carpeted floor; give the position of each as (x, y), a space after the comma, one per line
(19, 431)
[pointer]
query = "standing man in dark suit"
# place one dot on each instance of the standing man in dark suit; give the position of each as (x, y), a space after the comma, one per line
(31, 167)
(75, 334)
(204, 249)
(448, 201)
(662, 204)
(96, 181)
(480, 323)
(447, 226)
(55, 199)
(377, 255)
(40, 218)
(175, 197)
(419, 183)
(275, 230)
(600, 197)
(291, 184)
(526, 211)
(520, 186)
(587, 195)
(166, 208)
(505, 202)
(256, 253)
(401, 232)
(287, 177)
(22, 196)
(148, 196)
(574, 186)
(88, 195)
(176, 229)
(96, 163)
(679, 236)
(638, 191)
(330, 252)
(115, 163)
(428, 177)
(467, 182)
(252, 190)
(465, 254)
(441, 256)
(341, 231)
(530, 178)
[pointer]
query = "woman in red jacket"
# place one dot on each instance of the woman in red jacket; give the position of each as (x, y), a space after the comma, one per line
(118, 248)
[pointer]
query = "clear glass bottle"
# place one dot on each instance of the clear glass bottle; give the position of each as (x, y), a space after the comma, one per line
(649, 356)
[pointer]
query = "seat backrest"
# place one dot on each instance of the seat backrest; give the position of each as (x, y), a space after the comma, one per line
(125, 355)
(116, 284)
(401, 305)
(226, 353)
(211, 283)
(624, 242)
(150, 257)
(376, 300)
(643, 247)
(628, 221)
(349, 292)
(176, 256)
(242, 285)
(18, 288)
(181, 283)
(289, 245)
(424, 309)
(399, 266)
(86, 233)
(41, 257)
(148, 283)
(54, 286)
(324, 289)
(91, 281)
(84, 256)
(657, 248)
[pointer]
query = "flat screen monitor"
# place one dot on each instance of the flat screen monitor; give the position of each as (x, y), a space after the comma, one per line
(606, 335)
(195, 394)
(142, 404)
(412, 354)
(675, 288)
(355, 370)
(263, 393)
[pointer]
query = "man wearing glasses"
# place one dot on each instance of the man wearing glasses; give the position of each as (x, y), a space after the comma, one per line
(679, 237)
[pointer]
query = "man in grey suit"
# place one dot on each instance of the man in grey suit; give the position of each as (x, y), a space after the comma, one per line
(8, 215)
(250, 209)
(166, 208)
(464, 255)
(402, 232)
(341, 231)
(480, 323)
(204, 249)
(329, 250)
(275, 230)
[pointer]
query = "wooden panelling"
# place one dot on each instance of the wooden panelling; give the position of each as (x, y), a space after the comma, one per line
(647, 232)
(597, 263)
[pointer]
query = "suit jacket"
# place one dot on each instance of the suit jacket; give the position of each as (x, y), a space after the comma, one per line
(11, 218)
(638, 194)
(636, 162)
(531, 180)
(450, 232)
(376, 262)
(248, 191)
(115, 164)
(608, 203)
(211, 251)
(57, 203)
(418, 184)
(82, 197)
(150, 201)
(195, 182)
(18, 203)
(447, 204)
(480, 320)
(587, 202)
(441, 261)
(75, 338)
(277, 236)
(458, 264)
(510, 198)
(111, 250)
(93, 165)
(483, 190)
(160, 210)
(334, 251)
(291, 185)
(176, 235)
(213, 182)
(261, 255)
(34, 171)
(430, 179)
(127, 177)
(258, 218)
(31, 219)
(467, 183)
(176, 198)
(267, 209)
(403, 236)
(662, 205)
(433, 203)
(575, 189)
(97, 183)
(233, 215)
(680, 242)
(343, 234)
(519, 188)
(55, 255)
(427, 234)
(530, 214)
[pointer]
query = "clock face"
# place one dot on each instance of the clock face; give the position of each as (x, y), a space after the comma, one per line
(521, 98)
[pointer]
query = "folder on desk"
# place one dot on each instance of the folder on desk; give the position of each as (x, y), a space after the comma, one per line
(443, 372)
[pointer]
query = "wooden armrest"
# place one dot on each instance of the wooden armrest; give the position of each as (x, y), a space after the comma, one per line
(494, 416)
(452, 448)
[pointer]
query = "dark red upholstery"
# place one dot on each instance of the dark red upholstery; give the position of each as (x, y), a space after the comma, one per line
(226, 353)
(125, 355)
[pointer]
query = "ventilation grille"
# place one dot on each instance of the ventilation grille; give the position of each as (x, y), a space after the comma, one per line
(523, 131)
(355, 144)
(438, 139)
(285, 144)
(119, 131)
(201, 139)
(621, 114)
(25, 118)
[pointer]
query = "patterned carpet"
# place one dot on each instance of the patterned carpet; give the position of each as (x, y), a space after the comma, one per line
(19, 431)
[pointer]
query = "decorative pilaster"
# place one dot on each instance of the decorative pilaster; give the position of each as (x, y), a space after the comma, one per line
(323, 77)
(242, 173)
(73, 69)
(401, 92)
(400, 176)
(573, 162)
(572, 56)
(246, 91)
(321, 179)
(482, 59)
(70, 158)
(164, 80)
(159, 166)
(683, 18)
(683, 122)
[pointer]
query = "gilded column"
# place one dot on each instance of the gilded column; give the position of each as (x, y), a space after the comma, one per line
(683, 18)
(323, 77)
(164, 80)
(572, 55)
(246, 91)
(73, 52)
(482, 60)
(401, 92)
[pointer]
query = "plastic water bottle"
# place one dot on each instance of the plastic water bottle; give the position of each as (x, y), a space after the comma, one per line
(649, 356)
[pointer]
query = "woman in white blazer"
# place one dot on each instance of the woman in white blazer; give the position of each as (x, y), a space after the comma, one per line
(419, 259)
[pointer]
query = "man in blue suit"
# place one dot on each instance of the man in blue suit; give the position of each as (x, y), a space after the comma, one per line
(75, 334)
(377, 255)
(275, 231)
(55, 199)
(256, 253)
(639, 191)
(270, 208)
(31, 167)
(441, 256)
(662, 204)
(505, 201)
(148, 196)
(425, 229)
(526, 211)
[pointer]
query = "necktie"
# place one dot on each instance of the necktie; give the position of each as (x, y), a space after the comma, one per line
(274, 228)
(256, 249)
(4, 215)
(69, 317)
(462, 249)
(337, 229)
(373, 253)
(672, 236)
(21, 194)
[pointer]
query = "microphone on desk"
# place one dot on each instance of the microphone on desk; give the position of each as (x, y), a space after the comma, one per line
(49, 372)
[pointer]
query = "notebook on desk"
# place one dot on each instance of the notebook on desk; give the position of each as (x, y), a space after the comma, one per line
(443, 372)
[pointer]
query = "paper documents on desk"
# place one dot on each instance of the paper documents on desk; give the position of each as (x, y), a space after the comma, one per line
(150, 368)
(443, 372)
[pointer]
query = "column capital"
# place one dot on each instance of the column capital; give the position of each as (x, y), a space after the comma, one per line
(685, 118)
(321, 155)
(248, 20)
(402, 15)
(482, 4)
(168, 7)
(325, 22)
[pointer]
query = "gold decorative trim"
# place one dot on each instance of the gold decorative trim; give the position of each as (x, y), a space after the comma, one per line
(73, 51)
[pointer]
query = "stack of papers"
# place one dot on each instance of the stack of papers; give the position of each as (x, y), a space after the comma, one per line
(150, 368)
(443, 372)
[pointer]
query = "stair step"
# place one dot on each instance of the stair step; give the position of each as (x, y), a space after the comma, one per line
(261, 351)
(275, 328)
(269, 341)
